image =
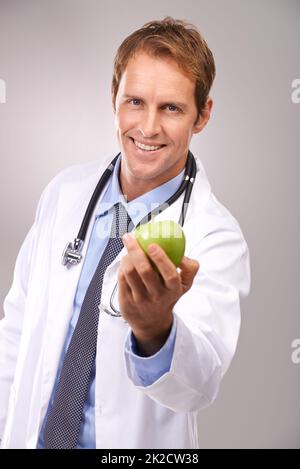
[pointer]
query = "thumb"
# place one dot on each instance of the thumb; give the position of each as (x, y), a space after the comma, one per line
(189, 268)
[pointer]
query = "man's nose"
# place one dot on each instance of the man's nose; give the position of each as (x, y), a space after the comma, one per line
(150, 124)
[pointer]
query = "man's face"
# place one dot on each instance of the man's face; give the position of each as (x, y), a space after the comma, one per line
(155, 106)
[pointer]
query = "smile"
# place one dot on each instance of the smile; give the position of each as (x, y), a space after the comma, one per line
(141, 146)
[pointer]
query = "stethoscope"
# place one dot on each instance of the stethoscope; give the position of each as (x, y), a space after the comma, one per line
(72, 253)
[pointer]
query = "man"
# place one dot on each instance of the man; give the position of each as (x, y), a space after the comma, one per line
(75, 376)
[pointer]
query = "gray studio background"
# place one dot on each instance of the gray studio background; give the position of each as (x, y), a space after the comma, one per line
(56, 61)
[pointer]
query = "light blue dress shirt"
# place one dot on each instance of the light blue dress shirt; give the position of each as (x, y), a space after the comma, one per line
(146, 370)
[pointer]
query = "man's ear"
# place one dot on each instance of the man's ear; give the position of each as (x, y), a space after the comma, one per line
(204, 116)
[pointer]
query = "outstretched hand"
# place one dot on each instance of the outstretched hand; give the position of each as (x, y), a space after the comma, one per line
(146, 297)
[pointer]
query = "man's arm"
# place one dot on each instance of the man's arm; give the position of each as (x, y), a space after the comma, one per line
(208, 322)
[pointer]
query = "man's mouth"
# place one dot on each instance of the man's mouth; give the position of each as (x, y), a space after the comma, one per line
(150, 148)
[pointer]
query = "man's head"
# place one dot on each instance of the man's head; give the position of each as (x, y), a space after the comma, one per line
(163, 73)
(175, 39)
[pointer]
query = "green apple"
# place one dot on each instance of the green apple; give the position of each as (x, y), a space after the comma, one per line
(167, 234)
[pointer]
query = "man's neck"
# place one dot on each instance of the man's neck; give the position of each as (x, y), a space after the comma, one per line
(137, 187)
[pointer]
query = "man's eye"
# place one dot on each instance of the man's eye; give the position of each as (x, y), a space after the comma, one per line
(134, 101)
(172, 107)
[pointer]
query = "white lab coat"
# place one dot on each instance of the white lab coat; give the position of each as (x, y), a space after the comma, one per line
(39, 306)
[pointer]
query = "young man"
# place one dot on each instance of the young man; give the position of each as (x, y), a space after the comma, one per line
(75, 376)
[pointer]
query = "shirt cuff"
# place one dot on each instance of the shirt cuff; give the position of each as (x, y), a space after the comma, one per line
(146, 370)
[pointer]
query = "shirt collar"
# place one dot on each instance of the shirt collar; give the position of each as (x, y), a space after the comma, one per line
(140, 206)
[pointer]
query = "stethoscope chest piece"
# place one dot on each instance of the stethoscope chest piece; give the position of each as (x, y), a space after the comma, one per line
(72, 253)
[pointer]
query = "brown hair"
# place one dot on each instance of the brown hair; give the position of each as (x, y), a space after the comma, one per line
(172, 38)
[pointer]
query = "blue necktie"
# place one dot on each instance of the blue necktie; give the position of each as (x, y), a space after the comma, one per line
(64, 418)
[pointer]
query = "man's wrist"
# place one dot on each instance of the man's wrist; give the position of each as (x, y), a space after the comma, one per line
(150, 342)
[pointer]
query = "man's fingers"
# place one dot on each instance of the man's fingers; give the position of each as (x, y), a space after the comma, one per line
(142, 265)
(172, 279)
(187, 263)
(123, 287)
(165, 266)
(189, 268)
(138, 289)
